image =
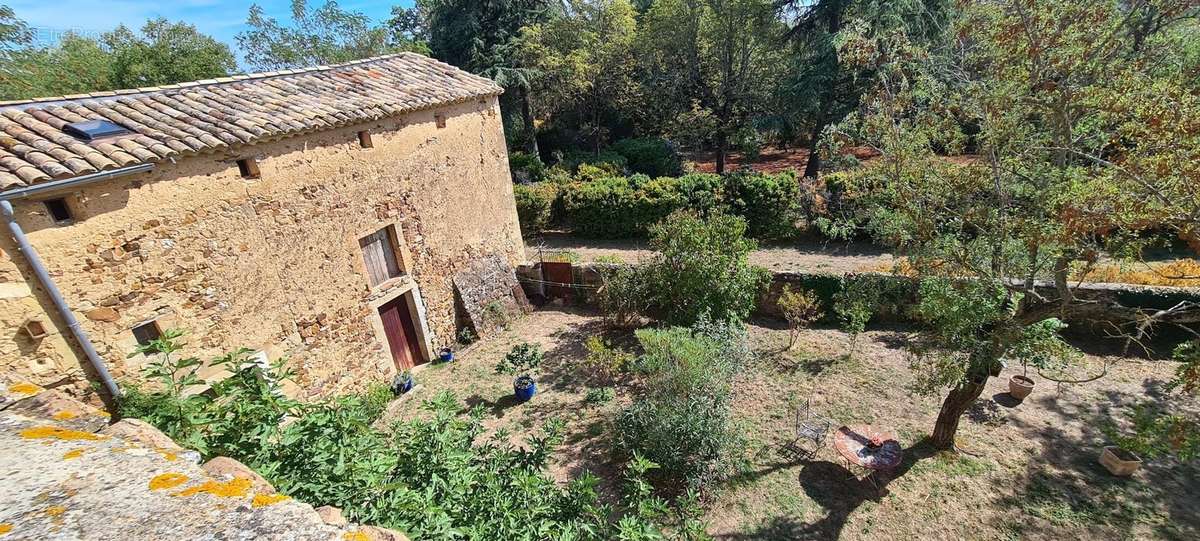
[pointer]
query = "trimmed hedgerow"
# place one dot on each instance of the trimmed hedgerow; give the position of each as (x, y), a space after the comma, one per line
(621, 207)
(769, 203)
(614, 207)
(535, 206)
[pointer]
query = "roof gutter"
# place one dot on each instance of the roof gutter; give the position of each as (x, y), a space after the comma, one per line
(44, 278)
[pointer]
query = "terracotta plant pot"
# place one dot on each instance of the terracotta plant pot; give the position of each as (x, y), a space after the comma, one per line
(1119, 461)
(1020, 387)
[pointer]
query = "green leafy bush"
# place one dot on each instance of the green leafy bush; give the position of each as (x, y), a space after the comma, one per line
(651, 156)
(625, 294)
(624, 207)
(535, 206)
(682, 421)
(526, 167)
(702, 268)
(431, 477)
(522, 360)
(606, 160)
(769, 203)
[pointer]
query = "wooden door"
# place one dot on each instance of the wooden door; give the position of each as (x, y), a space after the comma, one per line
(401, 333)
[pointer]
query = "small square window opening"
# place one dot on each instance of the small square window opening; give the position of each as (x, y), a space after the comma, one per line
(59, 211)
(248, 167)
(147, 332)
(440, 120)
(364, 139)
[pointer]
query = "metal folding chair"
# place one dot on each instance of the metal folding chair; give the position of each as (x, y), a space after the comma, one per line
(811, 429)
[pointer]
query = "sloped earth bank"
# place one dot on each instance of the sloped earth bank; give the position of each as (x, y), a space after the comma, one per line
(1033, 474)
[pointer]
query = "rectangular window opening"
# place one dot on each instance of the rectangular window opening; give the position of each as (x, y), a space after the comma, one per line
(147, 332)
(59, 210)
(440, 120)
(379, 255)
(248, 167)
(364, 139)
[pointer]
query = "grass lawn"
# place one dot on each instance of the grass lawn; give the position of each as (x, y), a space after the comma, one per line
(1032, 472)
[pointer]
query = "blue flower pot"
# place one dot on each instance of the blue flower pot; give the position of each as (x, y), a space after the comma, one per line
(401, 386)
(524, 388)
(445, 355)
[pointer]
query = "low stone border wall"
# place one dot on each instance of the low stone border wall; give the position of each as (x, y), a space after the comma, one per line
(899, 297)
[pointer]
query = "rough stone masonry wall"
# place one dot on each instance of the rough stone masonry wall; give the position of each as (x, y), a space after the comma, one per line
(272, 263)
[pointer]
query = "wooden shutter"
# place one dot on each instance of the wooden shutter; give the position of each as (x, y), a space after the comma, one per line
(379, 257)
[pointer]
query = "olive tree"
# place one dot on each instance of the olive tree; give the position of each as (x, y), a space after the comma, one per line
(1038, 137)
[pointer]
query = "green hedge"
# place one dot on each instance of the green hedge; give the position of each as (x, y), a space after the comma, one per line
(535, 206)
(622, 207)
(769, 203)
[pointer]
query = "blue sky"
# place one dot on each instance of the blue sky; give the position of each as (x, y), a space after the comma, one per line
(222, 19)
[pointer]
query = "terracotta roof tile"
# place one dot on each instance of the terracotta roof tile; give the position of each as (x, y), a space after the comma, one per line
(200, 116)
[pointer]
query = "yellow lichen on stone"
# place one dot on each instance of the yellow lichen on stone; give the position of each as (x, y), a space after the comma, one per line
(355, 536)
(167, 480)
(234, 488)
(55, 510)
(169, 456)
(25, 388)
(64, 415)
(57, 433)
(74, 453)
(5, 528)
(263, 500)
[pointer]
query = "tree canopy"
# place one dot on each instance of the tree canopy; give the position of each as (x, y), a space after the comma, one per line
(161, 53)
(1073, 128)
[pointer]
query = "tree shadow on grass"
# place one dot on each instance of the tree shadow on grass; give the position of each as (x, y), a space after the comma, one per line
(1064, 488)
(495, 407)
(838, 491)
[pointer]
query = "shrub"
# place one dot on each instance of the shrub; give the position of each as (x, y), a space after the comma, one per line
(682, 421)
(624, 295)
(604, 360)
(535, 206)
(430, 478)
(769, 203)
(651, 156)
(522, 360)
(612, 162)
(800, 309)
(526, 168)
(702, 267)
(624, 207)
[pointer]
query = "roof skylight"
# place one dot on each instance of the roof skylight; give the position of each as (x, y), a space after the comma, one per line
(90, 130)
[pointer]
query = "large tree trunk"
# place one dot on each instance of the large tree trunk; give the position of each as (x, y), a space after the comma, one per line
(527, 118)
(814, 161)
(953, 407)
(722, 151)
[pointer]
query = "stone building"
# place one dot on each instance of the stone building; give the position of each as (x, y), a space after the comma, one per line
(318, 215)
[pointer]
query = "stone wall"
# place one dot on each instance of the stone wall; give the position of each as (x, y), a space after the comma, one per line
(70, 474)
(272, 263)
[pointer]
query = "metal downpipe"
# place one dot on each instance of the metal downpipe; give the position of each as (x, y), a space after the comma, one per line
(43, 277)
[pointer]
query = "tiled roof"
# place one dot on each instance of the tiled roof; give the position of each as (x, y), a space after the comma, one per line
(190, 118)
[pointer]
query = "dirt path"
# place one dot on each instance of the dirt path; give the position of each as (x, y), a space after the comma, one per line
(798, 256)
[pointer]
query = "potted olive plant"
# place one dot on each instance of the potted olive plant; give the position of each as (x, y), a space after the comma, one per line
(1041, 348)
(522, 361)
